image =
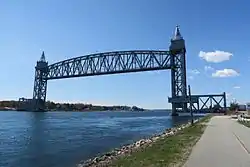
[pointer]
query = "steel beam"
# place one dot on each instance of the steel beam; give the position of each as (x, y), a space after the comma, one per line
(178, 83)
(209, 102)
(110, 63)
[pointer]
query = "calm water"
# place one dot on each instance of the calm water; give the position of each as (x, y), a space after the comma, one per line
(63, 139)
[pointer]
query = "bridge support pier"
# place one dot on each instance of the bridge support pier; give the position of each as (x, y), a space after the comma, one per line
(40, 85)
(178, 74)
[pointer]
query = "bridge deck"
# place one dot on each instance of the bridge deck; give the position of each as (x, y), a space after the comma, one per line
(222, 145)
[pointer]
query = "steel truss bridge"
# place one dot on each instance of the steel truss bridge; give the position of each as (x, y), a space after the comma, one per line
(123, 62)
(208, 103)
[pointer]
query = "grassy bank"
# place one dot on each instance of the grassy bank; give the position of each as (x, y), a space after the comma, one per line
(171, 151)
(246, 123)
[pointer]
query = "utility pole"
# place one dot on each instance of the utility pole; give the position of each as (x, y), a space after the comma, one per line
(191, 105)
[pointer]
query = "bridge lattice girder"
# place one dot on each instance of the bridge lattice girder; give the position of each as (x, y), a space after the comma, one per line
(206, 102)
(110, 63)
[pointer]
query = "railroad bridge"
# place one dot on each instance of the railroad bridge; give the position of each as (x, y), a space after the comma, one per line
(117, 62)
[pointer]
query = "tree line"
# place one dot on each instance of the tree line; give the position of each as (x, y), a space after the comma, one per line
(52, 106)
(234, 106)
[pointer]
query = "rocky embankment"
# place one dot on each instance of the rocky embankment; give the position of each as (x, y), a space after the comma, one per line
(107, 158)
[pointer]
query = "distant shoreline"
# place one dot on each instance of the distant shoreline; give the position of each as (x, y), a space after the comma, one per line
(53, 110)
(64, 107)
(7, 109)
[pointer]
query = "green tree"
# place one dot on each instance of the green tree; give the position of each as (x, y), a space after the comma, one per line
(234, 106)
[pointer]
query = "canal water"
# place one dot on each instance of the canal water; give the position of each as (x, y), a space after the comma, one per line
(63, 139)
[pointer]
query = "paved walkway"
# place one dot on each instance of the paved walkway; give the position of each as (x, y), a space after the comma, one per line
(225, 143)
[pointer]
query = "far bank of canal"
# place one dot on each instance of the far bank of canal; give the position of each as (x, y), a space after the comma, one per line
(63, 139)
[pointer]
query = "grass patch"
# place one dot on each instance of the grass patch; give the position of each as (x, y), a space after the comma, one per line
(206, 119)
(246, 123)
(171, 151)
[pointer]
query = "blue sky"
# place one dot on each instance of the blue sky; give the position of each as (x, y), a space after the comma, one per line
(65, 29)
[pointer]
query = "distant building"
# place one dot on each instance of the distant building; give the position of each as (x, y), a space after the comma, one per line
(243, 107)
(25, 104)
(248, 108)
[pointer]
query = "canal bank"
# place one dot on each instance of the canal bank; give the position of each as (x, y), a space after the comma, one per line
(170, 147)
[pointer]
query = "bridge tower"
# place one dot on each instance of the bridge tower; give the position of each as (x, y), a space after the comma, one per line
(40, 84)
(178, 73)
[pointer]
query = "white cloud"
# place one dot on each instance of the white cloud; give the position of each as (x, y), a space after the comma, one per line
(207, 68)
(195, 71)
(236, 87)
(216, 56)
(225, 73)
(192, 73)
